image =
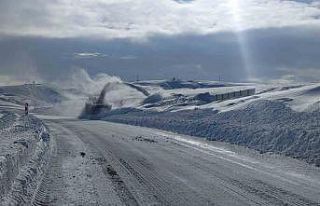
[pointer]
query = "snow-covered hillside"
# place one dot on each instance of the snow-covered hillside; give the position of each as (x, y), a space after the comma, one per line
(280, 118)
(176, 95)
(35, 94)
(185, 95)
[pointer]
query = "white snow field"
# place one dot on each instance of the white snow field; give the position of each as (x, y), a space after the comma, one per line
(50, 158)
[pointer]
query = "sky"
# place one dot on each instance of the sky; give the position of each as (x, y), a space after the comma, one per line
(234, 40)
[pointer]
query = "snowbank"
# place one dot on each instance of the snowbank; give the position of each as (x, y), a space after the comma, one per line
(264, 125)
(24, 149)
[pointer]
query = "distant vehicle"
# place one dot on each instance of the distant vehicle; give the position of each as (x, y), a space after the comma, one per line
(94, 108)
(96, 105)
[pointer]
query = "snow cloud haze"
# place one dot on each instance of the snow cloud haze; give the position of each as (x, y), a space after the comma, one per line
(78, 86)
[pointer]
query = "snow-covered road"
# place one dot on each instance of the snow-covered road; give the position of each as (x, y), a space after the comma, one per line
(102, 163)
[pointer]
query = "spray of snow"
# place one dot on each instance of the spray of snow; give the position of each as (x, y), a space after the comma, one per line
(78, 87)
(121, 95)
(82, 82)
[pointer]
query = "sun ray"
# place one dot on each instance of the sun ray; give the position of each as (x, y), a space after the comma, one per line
(238, 26)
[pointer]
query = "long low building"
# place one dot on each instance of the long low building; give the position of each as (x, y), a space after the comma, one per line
(234, 94)
(208, 97)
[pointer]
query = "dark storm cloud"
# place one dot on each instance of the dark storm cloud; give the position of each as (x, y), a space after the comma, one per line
(275, 53)
(160, 39)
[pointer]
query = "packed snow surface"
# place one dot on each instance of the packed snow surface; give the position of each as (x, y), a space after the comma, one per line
(61, 160)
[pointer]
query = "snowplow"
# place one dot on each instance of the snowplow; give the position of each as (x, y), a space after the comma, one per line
(96, 105)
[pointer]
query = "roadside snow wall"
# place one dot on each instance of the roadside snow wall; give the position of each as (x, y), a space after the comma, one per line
(266, 126)
(23, 159)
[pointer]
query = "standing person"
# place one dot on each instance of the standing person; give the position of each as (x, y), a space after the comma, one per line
(26, 109)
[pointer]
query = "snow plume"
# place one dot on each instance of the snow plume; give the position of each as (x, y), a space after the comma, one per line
(78, 87)
(118, 93)
(121, 95)
(80, 80)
